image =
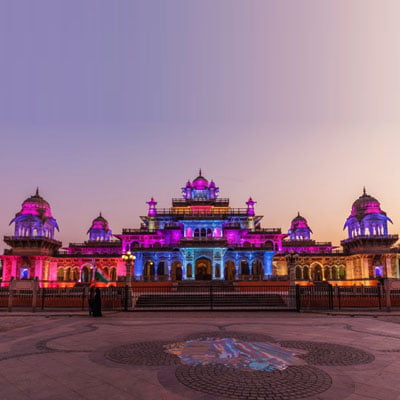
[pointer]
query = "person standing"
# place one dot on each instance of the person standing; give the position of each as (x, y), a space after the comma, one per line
(97, 304)
(91, 300)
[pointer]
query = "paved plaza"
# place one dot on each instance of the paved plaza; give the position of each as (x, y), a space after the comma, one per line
(199, 356)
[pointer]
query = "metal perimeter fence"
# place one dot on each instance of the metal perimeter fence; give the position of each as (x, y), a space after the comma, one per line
(208, 298)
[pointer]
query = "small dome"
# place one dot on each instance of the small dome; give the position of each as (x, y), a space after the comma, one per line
(299, 222)
(299, 229)
(99, 229)
(364, 205)
(100, 222)
(35, 218)
(367, 218)
(212, 184)
(36, 198)
(200, 182)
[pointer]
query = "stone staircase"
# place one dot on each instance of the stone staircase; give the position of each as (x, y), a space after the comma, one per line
(210, 296)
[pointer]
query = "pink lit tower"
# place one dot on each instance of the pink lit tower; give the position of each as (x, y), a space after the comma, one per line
(33, 240)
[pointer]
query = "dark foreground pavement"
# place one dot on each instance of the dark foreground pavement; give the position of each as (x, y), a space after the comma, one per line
(121, 356)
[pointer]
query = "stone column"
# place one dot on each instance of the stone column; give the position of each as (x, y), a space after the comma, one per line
(169, 266)
(237, 266)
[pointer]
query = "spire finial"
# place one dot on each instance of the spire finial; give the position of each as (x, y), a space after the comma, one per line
(298, 213)
(100, 214)
(364, 190)
(37, 191)
(199, 171)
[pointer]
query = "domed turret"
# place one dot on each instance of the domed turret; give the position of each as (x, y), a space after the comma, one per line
(35, 218)
(299, 229)
(100, 231)
(200, 189)
(367, 218)
(200, 183)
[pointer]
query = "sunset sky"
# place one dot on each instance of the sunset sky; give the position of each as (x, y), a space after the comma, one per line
(104, 104)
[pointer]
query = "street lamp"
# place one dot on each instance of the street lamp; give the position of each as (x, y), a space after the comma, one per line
(291, 259)
(129, 258)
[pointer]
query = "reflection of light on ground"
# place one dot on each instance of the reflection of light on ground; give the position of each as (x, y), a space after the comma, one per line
(234, 353)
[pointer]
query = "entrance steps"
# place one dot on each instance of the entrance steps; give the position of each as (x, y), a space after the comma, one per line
(211, 296)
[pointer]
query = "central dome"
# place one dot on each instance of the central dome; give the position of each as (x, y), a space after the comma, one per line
(200, 182)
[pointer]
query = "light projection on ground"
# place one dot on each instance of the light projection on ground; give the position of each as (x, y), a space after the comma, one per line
(231, 352)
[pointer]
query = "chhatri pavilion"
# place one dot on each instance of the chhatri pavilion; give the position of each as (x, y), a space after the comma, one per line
(200, 237)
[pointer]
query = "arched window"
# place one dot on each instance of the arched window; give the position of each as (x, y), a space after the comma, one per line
(60, 274)
(75, 274)
(209, 232)
(24, 273)
(161, 268)
(68, 275)
(306, 273)
(299, 275)
(85, 275)
(217, 271)
(189, 271)
(244, 267)
(113, 274)
(196, 233)
(342, 272)
(327, 273)
(203, 232)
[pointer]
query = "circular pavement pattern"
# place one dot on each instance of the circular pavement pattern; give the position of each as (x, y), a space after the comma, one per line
(329, 354)
(149, 354)
(221, 381)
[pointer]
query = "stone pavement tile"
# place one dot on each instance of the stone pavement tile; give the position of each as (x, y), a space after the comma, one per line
(106, 391)
(40, 386)
(376, 392)
(13, 394)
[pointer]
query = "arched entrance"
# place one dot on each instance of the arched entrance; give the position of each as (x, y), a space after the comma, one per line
(256, 270)
(203, 269)
(149, 271)
(176, 271)
(229, 270)
(316, 272)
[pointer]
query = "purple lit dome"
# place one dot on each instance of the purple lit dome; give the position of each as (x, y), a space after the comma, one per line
(100, 230)
(367, 218)
(364, 205)
(35, 218)
(299, 229)
(200, 182)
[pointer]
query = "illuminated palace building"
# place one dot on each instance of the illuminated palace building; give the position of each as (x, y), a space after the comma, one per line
(201, 237)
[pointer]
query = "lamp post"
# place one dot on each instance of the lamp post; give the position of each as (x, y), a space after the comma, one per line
(291, 259)
(129, 258)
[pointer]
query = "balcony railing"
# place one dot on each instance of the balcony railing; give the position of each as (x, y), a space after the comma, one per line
(387, 237)
(97, 243)
(184, 202)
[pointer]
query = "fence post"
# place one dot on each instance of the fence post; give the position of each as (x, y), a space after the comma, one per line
(387, 294)
(43, 296)
(10, 298)
(379, 295)
(84, 295)
(338, 296)
(298, 298)
(34, 294)
(330, 293)
(126, 298)
(211, 298)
